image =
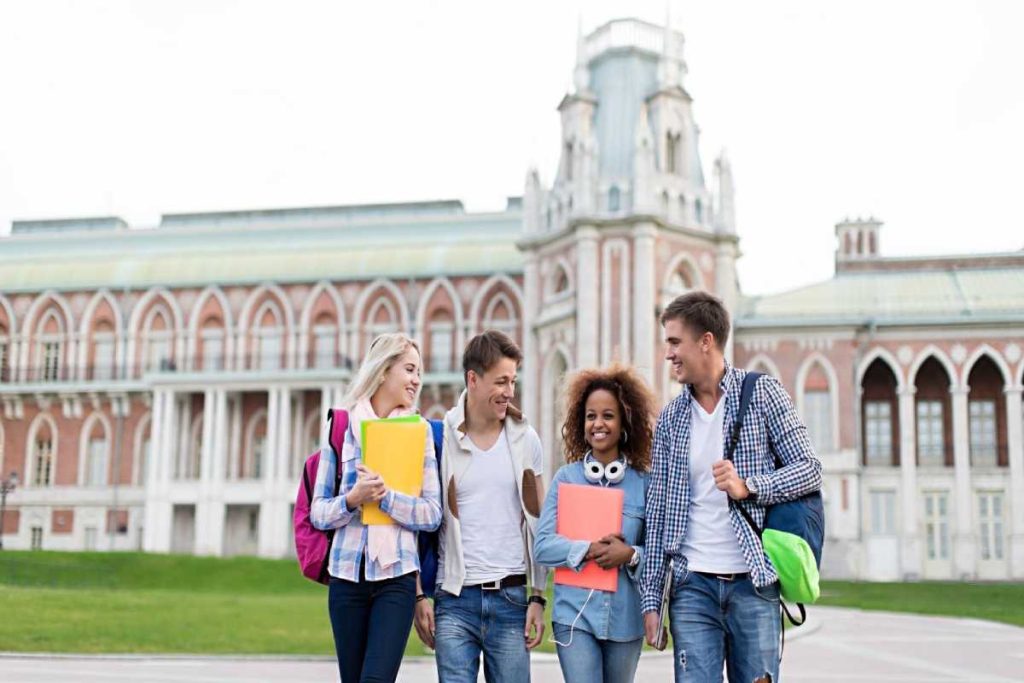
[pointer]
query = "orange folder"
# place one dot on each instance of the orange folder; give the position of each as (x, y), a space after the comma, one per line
(588, 513)
(394, 450)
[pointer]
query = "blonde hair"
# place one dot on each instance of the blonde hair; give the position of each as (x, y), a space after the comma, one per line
(383, 353)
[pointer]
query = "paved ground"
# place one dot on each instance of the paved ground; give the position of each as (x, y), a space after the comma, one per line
(839, 645)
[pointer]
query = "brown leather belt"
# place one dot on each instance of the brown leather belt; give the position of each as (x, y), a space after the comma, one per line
(509, 581)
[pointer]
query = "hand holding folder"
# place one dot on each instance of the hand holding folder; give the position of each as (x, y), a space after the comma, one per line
(589, 513)
(394, 448)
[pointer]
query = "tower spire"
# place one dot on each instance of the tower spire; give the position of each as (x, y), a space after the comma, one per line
(581, 76)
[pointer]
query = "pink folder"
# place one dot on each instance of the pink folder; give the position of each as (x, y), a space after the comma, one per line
(588, 513)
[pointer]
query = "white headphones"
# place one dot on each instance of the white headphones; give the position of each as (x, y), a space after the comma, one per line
(594, 471)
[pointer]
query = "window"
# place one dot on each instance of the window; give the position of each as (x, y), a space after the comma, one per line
(818, 415)
(672, 152)
(878, 432)
(96, 463)
(883, 513)
(50, 352)
(4, 374)
(614, 199)
(698, 209)
(37, 538)
(158, 352)
(568, 161)
(213, 349)
(990, 524)
(103, 357)
(931, 446)
(441, 347)
(983, 433)
(323, 342)
(254, 525)
(43, 463)
(259, 448)
(936, 524)
(269, 354)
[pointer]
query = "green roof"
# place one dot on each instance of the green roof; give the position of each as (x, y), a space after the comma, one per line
(895, 297)
(216, 251)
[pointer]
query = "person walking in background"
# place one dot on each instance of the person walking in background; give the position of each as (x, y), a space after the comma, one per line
(491, 470)
(724, 604)
(372, 591)
(608, 434)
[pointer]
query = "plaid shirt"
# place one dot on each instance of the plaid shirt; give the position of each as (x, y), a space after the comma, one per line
(411, 513)
(771, 426)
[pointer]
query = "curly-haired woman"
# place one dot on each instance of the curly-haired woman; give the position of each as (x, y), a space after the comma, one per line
(607, 434)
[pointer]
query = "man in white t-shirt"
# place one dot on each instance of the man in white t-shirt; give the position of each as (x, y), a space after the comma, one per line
(491, 470)
(724, 592)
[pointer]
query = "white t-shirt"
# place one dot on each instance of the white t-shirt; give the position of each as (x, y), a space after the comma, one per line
(710, 544)
(490, 512)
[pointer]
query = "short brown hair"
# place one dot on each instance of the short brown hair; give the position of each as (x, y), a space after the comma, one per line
(701, 312)
(484, 350)
(636, 406)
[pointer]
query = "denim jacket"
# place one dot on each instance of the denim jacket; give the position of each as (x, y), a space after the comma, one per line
(608, 616)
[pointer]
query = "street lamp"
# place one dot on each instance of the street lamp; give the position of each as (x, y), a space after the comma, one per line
(6, 486)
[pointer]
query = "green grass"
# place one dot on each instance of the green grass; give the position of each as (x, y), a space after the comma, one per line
(992, 601)
(132, 602)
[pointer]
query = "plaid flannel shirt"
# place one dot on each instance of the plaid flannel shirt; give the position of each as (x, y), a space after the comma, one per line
(770, 428)
(411, 513)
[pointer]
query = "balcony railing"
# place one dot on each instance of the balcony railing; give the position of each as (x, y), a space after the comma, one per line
(113, 372)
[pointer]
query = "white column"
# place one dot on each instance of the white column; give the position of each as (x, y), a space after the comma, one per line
(156, 535)
(910, 540)
(964, 546)
(267, 544)
(1015, 443)
(586, 297)
(208, 540)
(182, 444)
(233, 468)
(532, 370)
(284, 437)
(644, 302)
(726, 287)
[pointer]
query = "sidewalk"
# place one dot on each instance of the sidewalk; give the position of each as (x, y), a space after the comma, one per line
(838, 645)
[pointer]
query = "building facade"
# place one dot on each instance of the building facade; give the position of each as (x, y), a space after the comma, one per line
(161, 388)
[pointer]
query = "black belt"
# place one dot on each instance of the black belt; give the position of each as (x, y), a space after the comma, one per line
(509, 581)
(725, 577)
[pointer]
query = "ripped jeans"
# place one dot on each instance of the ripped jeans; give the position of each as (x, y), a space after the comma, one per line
(716, 621)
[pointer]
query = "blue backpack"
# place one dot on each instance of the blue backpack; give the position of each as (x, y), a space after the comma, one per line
(428, 541)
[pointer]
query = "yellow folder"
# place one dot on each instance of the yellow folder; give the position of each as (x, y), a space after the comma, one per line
(394, 450)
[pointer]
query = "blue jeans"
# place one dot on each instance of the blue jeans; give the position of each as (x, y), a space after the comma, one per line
(371, 621)
(589, 660)
(716, 620)
(478, 621)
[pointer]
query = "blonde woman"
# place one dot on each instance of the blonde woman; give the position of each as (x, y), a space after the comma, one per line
(372, 592)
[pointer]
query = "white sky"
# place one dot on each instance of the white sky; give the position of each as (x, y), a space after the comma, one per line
(911, 111)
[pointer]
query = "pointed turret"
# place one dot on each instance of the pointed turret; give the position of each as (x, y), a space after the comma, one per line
(725, 204)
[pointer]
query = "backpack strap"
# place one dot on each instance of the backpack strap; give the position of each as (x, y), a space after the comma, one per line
(746, 394)
(337, 422)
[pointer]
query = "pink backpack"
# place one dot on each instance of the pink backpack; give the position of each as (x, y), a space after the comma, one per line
(312, 545)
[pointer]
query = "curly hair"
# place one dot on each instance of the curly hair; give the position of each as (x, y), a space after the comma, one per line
(636, 405)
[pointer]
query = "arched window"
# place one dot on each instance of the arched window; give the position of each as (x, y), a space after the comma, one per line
(103, 361)
(5, 374)
(932, 413)
(268, 339)
(382, 319)
(879, 417)
(325, 342)
(818, 409)
(614, 199)
(158, 337)
(500, 315)
(50, 347)
(97, 456)
(441, 348)
(42, 468)
(253, 457)
(987, 415)
(673, 149)
(211, 344)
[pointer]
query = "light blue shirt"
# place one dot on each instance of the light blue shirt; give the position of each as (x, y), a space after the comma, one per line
(607, 616)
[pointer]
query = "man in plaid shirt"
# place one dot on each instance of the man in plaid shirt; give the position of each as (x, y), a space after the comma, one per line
(724, 597)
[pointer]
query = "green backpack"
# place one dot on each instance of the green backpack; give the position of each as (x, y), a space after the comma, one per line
(793, 533)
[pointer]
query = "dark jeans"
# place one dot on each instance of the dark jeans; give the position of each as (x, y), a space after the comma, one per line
(371, 622)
